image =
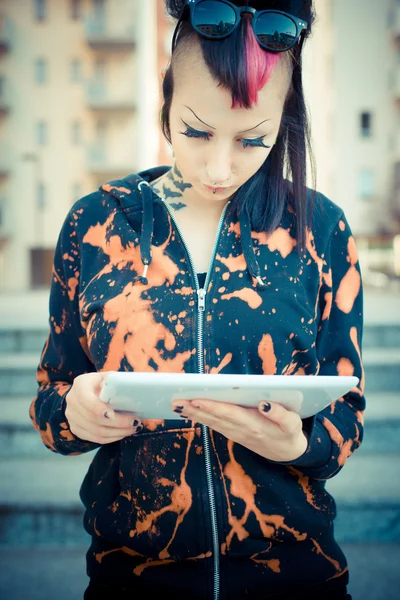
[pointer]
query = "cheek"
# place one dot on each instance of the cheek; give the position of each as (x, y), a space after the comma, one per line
(253, 162)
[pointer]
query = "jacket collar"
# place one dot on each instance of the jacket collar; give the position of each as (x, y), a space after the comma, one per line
(135, 195)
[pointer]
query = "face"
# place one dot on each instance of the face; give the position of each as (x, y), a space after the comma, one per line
(211, 141)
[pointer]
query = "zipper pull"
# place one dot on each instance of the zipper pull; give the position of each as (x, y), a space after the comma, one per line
(202, 299)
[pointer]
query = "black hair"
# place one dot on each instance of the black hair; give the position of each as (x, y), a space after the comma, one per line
(264, 196)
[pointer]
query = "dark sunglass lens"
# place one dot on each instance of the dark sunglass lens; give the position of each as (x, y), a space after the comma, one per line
(275, 31)
(214, 19)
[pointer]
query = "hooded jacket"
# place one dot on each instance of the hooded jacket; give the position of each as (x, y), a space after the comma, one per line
(179, 506)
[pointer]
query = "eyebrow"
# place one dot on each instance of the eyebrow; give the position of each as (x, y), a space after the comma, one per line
(211, 127)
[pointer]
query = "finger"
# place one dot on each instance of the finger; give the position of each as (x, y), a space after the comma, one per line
(216, 415)
(288, 420)
(120, 420)
(91, 404)
(103, 434)
(108, 432)
(88, 396)
(107, 418)
(222, 410)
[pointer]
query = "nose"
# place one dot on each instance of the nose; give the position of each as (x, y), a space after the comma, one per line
(219, 163)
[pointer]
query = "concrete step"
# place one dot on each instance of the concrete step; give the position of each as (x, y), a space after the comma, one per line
(33, 482)
(18, 437)
(17, 372)
(32, 338)
(22, 341)
(60, 572)
(36, 482)
(39, 499)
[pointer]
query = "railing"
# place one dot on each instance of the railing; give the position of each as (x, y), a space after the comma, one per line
(4, 228)
(395, 21)
(5, 34)
(5, 99)
(101, 32)
(99, 96)
(380, 259)
(101, 161)
(6, 160)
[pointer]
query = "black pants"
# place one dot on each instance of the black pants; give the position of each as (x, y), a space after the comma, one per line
(102, 592)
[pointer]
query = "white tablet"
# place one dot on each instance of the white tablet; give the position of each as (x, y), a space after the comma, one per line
(149, 395)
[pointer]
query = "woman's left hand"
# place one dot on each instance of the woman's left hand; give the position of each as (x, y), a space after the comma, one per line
(276, 435)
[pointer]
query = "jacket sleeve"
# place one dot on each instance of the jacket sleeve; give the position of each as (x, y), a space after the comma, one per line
(65, 354)
(337, 431)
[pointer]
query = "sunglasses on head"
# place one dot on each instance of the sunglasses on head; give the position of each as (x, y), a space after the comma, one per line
(276, 31)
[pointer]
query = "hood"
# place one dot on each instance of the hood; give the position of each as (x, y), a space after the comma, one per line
(135, 196)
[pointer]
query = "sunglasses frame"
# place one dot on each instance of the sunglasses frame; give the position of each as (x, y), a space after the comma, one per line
(300, 24)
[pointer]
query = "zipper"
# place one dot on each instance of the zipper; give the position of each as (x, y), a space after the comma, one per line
(201, 306)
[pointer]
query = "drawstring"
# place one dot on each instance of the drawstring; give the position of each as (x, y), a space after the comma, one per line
(146, 234)
(248, 250)
(146, 237)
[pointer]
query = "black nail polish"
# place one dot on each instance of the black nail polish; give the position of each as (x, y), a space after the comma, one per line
(178, 409)
(183, 417)
(135, 422)
(266, 407)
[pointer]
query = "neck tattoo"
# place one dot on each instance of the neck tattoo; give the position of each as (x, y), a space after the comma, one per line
(171, 187)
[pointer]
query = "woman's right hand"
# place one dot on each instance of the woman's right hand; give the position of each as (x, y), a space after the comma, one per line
(92, 420)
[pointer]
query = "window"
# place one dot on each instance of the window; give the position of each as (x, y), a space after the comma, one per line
(41, 133)
(99, 70)
(98, 5)
(2, 205)
(366, 124)
(76, 9)
(76, 70)
(77, 132)
(41, 196)
(41, 70)
(41, 267)
(366, 184)
(76, 192)
(40, 10)
(391, 143)
(101, 130)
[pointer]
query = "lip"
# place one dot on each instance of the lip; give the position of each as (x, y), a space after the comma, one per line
(217, 189)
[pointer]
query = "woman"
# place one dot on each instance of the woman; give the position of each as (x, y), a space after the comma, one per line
(219, 264)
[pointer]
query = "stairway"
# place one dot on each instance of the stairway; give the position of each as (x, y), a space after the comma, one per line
(39, 502)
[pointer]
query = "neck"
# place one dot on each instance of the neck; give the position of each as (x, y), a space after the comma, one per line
(181, 196)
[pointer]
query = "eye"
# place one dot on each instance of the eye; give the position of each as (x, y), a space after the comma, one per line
(255, 143)
(195, 133)
(203, 135)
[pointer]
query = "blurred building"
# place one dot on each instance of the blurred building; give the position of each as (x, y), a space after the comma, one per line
(80, 99)
(350, 74)
(78, 105)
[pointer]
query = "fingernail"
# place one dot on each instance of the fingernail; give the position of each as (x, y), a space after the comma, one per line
(183, 416)
(135, 422)
(178, 409)
(265, 407)
(109, 414)
(139, 428)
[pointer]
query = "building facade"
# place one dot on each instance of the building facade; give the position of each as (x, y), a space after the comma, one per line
(78, 97)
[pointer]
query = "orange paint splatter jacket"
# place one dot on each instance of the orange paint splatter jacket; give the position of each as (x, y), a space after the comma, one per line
(180, 507)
